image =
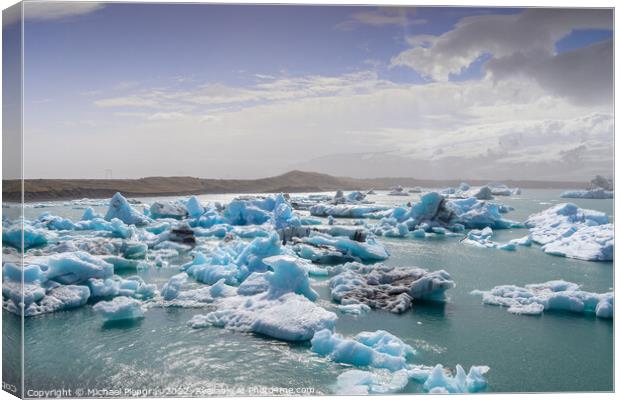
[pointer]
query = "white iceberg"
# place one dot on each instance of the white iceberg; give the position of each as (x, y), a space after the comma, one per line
(358, 382)
(569, 231)
(533, 299)
(285, 311)
(597, 193)
(121, 209)
(439, 380)
(345, 210)
(378, 349)
(120, 308)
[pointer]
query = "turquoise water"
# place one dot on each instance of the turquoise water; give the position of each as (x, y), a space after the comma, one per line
(553, 352)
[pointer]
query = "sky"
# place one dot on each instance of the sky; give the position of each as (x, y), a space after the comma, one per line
(241, 91)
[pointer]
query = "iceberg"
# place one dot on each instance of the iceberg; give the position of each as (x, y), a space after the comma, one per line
(597, 193)
(398, 191)
(378, 349)
(387, 287)
(39, 295)
(133, 286)
(282, 307)
(346, 210)
(482, 238)
(370, 250)
(167, 209)
(438, 380)
(194, 208)
(242, 212)
(121, 209)
(482, 193)
(569, 231)
(283, 216)
(74, 267)
(533, 299)
(290, 317)
(33, 237)
(358, 382)
(172, 288)
(120, 308)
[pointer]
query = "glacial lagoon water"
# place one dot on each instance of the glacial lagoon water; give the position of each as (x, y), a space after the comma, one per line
(557, 351)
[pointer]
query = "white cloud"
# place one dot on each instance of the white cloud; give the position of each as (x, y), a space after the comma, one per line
(526, 38)
(382, 16)
(489, 129)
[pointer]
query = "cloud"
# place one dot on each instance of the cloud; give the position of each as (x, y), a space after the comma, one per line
(264, 91)
(382, 16)
(51, 10)
(584, 75)
(519, 44)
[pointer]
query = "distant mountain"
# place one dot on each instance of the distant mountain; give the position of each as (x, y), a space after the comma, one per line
(291, 182)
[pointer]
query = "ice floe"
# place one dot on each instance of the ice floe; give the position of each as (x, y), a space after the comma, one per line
(388, 287)
(284, 310)
(569, 231)
(119, 308)
(378, 349)
(533, 299)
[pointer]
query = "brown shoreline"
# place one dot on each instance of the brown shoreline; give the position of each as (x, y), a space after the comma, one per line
(291, 182)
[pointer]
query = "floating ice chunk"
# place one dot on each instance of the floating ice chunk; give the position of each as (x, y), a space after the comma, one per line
(419, 233)
(60, 298)
(283, 216)
(133, 250)
(279, 305)
(39, 294)
(241, 212)
(168, 209)
(345, 210)
(323, 254)
(358, 382)
(398, 191)
(172, 288)
(201, 296)
(597, 193)
(438, 380)
(475, 214)
(483, 193)
(253, 284)
(533, 299)
(290, 274)
(570, 231)
(356, 352)
(370, 250)
(54, 222)
(89, 213)
(121, 209)
(590, 243)
(523, 241)
(194, 208)
(482, 238)
(32, 237)
(290, 317)
(133, 286)
(354, 308)
(387, 287)
(120, 308)
(74, 267)
(31, 290)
